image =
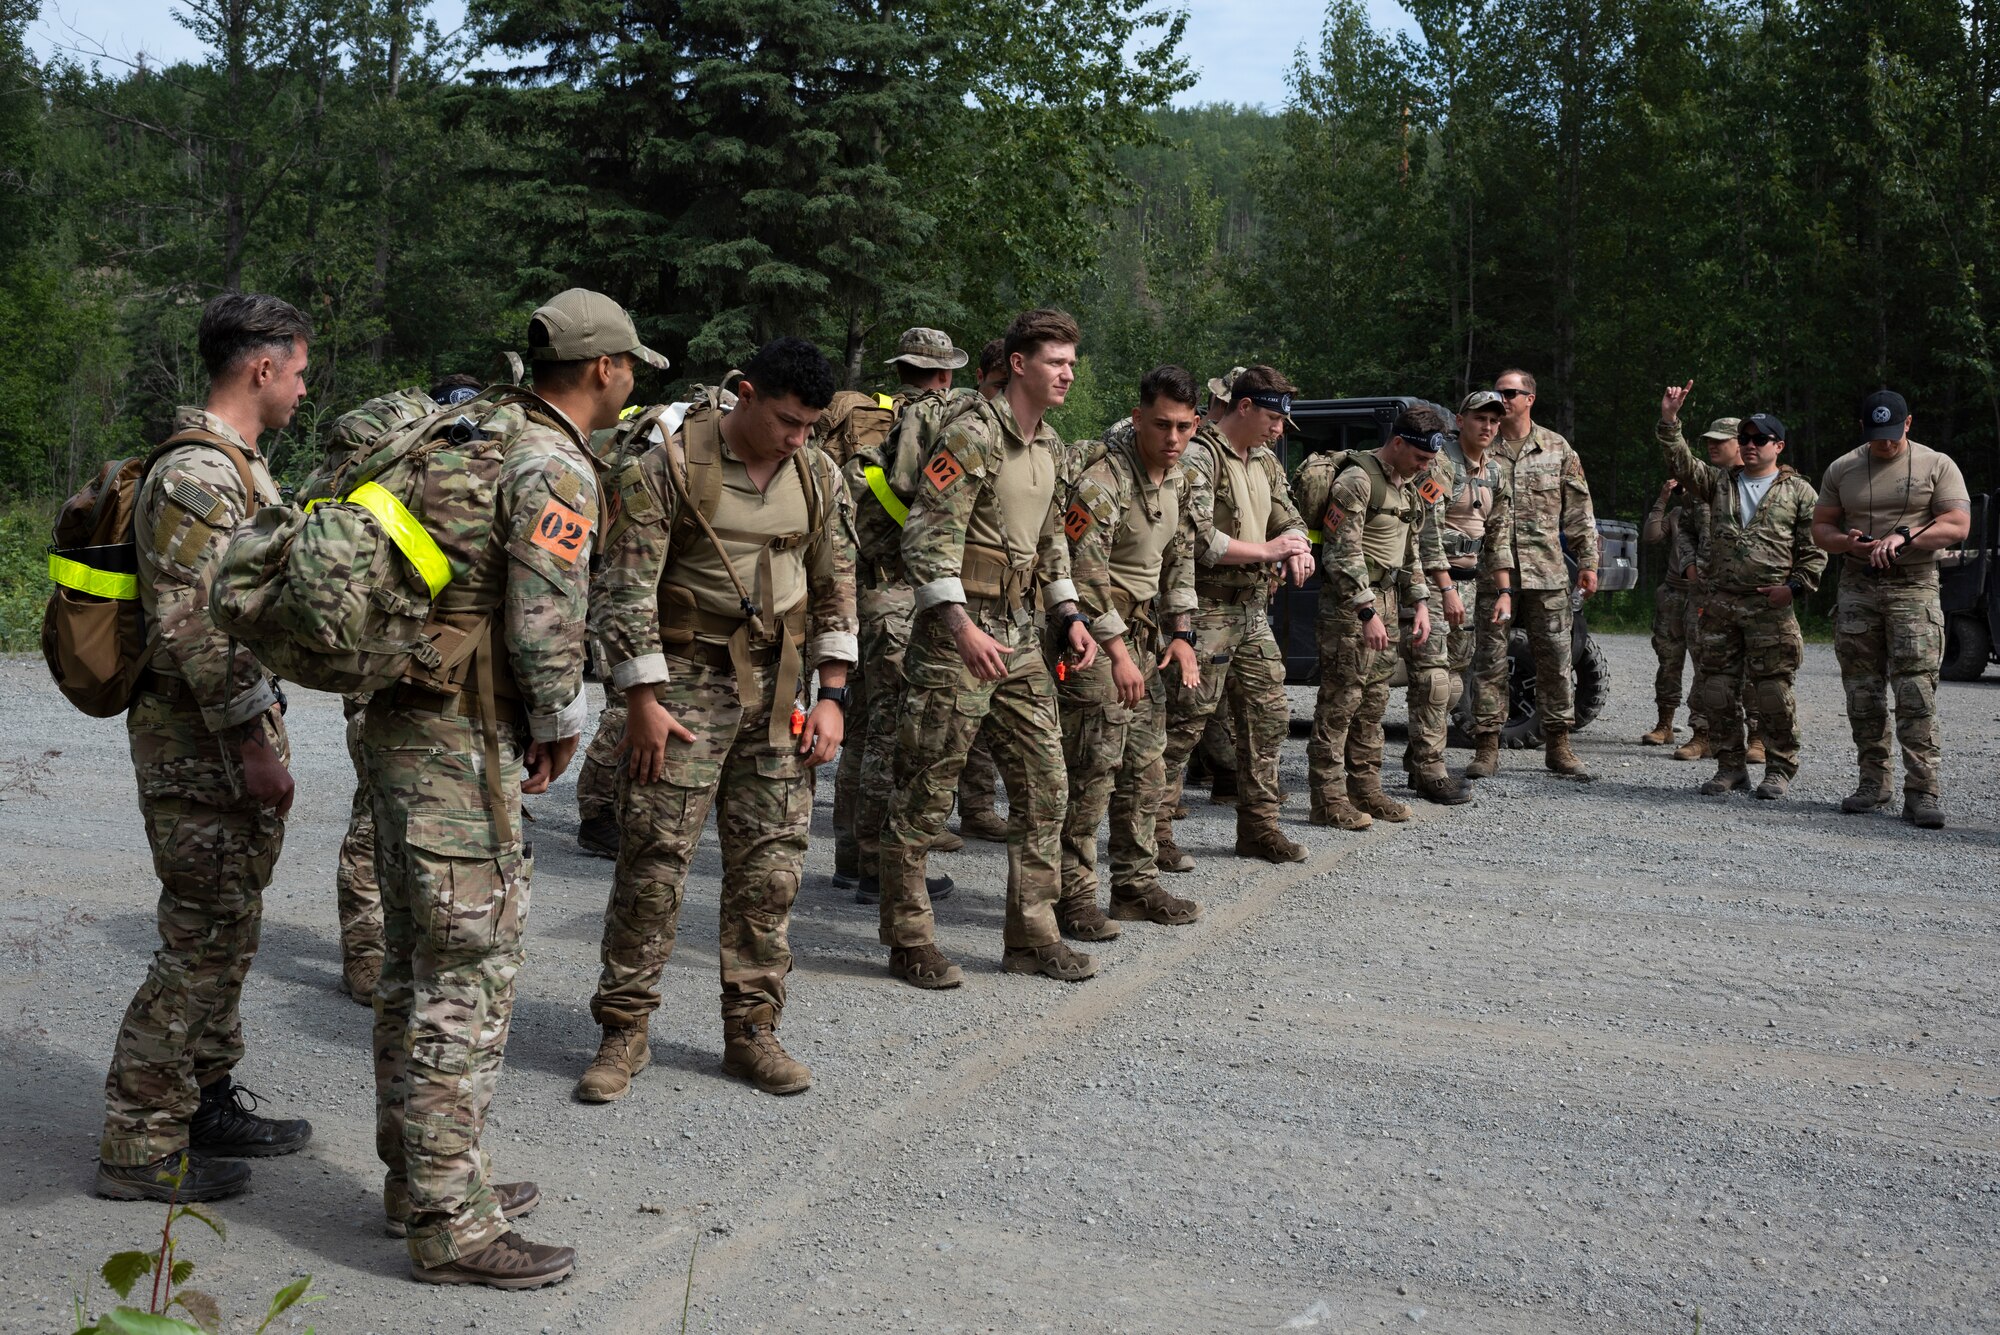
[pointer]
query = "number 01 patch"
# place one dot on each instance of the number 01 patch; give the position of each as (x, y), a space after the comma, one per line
(1431, 490)
(561, 532)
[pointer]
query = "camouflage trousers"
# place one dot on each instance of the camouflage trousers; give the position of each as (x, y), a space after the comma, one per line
(357, 895)
(597, 777)
(1242, 664)
(944, 709)
(848, 772)
(213, 850)
(1545, 615)
(886, 613)
(1428, 669)
(1746, 647)
(1345, 752)
(763, 797)
(1115, 754)
(1483, 645)
(1673, 642)
(1888, 635)
(1698, 714)
(455, 903)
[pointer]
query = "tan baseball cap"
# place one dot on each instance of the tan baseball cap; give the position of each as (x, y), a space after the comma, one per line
(582, 325)
(1482, 398)
(928, 348)
(1722, 428)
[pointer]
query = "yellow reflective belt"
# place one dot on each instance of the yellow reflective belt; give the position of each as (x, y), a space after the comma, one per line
(883, 400)
(406, 533)
(1312, 535)
(878, 482)
(89, 579)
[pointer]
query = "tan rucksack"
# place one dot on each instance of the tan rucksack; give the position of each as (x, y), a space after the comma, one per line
(94, 634)
(853, 422)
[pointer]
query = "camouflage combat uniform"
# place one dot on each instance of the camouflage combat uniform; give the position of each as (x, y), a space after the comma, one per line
(670, 618)
(1134, 576)
(1550, 505)
(1742, 638)
(1370, 555)
(597, 777)
(454, 865)
(984, 530)
(213, 846)
(1232, 498)
(1478, 536)
(1677, 615)
(1427, 666)
(1888, 626)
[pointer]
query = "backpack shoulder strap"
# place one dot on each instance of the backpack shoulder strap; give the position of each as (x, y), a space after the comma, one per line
(197, 436)
(695, 468)
(1378, 480)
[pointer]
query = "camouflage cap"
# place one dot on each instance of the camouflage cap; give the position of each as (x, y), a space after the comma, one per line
(1218, 388)
(929, 348)
(1722, 428)
(581, 325)
(1482, 398)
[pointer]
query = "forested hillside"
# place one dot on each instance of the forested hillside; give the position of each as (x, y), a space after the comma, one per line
(1791, 203)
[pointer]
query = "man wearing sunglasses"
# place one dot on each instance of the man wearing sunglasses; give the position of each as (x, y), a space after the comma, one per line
(1551, 507)
(1760, 559)
(1889, 506)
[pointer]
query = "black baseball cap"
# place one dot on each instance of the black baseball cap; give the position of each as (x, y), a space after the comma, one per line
(1762, 424)
(1883, 414)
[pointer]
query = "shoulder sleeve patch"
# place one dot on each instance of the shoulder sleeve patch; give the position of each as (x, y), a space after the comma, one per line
(1431, 491)
(1078, 520)
(944, 469)
(1334, 518)
(561, 532)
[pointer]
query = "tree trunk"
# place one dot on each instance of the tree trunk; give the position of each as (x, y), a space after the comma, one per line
(234, 224)
(385, 171)
(857, 334)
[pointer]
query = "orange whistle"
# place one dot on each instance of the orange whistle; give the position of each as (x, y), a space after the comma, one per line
(1062, 669)
(798, 720)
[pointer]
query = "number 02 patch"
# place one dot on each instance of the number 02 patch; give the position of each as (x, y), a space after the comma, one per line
(1077, 521)
(561, 532)
(943, 470)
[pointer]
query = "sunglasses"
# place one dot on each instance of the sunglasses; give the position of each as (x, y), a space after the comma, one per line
(1511, 394)
(1754, 441)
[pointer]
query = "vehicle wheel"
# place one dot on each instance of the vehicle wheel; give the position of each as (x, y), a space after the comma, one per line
(1968, 647)
(1593, 684)
(1523, 727)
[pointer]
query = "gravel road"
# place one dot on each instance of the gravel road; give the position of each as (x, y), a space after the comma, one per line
(1572, 1058)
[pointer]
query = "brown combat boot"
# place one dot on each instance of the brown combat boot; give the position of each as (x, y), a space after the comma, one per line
(946, 842)
(1442, 789)
(1153, 904)
(621, 1054)
(1340, 813)
(1871, 794)
(510, 1261)
(358, 976)
(1263, 839)
(1485, 756)
(925, 966)
(1368, 796)
(1923, 810)
(989, 825)
(1172, 856)
(1696, 747)
(1726, 781)
(751, 1051)
(1774, 786)
(1560, 758)
(1663, 731)
(1082, 920)
(1753, 754)
(1055, 960)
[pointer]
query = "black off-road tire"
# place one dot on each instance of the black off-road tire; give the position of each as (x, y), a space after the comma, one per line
(1590, 679)
(1968, 648)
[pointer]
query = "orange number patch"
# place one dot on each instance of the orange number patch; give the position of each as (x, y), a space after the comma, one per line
(560, 531)
(1078, 521)
(943, 470)
(1335, 517)
(1431, 491)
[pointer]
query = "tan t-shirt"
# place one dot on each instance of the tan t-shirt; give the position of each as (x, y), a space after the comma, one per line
(1250, 489)
(1149, 525)
(1025, 489)
(740, 512)
(1878, 496)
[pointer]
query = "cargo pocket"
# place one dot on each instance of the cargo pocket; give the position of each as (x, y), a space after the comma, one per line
(1916, 642)
(786, 764)
(471, 895)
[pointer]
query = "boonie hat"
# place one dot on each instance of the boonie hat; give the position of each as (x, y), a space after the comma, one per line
(1882, 413)
(1722, 428)
(1218, 388)
(1482, 398)
(928, 348)
(582, 325)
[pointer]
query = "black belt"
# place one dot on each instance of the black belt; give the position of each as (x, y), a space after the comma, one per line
(716, 657)
(174, 689)
(1232, 594)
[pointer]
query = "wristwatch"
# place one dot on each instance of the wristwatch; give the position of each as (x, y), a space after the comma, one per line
(1365, 612)
(838, 694)
(1185, 637)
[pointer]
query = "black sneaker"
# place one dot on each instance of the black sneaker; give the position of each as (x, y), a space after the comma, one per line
(227, 1126)
(598, 836)
(868, 890)
(202, 1179)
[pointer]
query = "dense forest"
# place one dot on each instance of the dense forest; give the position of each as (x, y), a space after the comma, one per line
(1790, 202)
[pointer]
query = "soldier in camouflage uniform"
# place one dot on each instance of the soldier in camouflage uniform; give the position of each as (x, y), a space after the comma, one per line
(984, 536)
(1889, 506)
(1369, 507)
(1427, 663)
(357, 896)
(1135, 581)
(210, 756)
(1760, 558)
(727, 576)
(1478, 536)
(1550, 505)
(1245, 535)
(448, 777)
(882, 481)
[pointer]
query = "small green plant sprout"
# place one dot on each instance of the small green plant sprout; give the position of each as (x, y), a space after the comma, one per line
(199, 1313)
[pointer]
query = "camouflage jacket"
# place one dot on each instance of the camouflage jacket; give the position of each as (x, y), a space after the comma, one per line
(181, 520)
(1098, 520)
(958, 483)
(1209, 512)
(1490, 493)
(1551, 507)
(1681, 524)
(1775, 547)
(1363, 545)
(898, 466)
(640, 551)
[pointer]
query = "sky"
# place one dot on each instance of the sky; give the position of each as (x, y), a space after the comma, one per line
(1240, 49)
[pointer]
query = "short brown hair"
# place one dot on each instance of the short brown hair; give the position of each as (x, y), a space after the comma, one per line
(1419, 420)
(1032, 329)
(993, 357)
(1260, 379)
(237, 325)
(1527, 378)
